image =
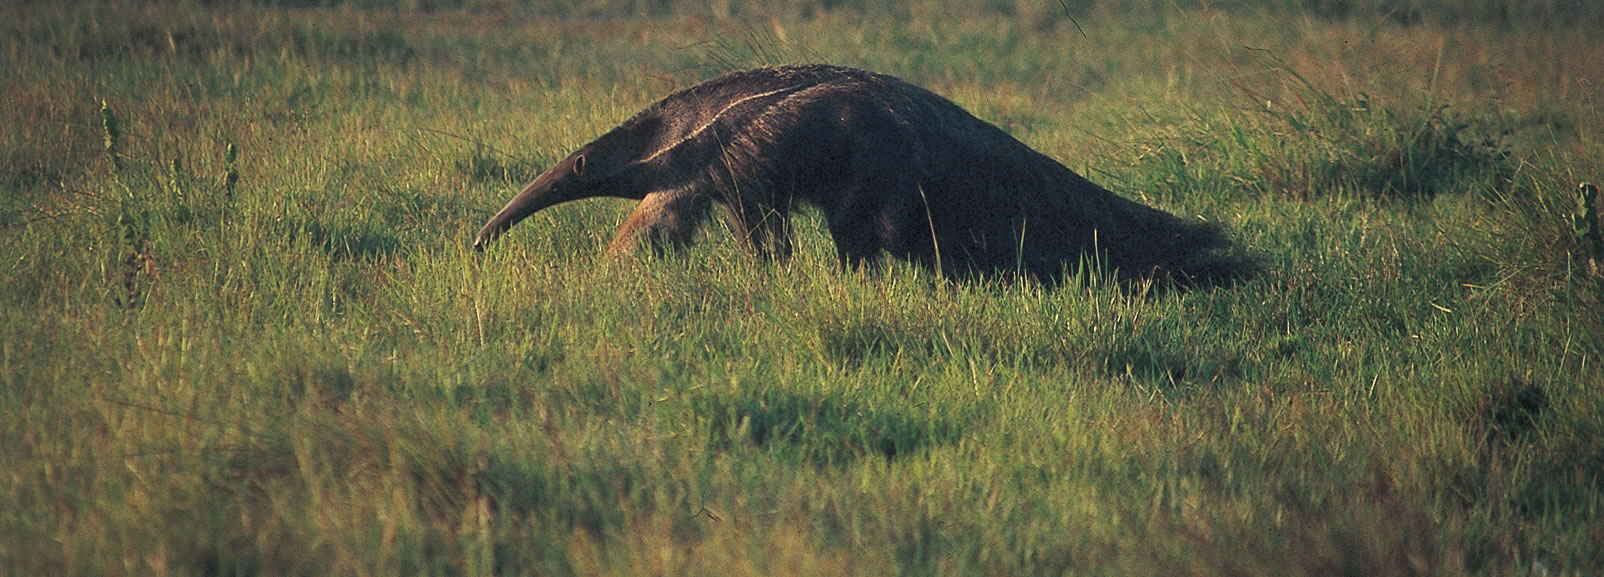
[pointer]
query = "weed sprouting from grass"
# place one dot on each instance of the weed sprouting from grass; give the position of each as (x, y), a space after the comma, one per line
(175, 181)
(138, 265)
(1587, 226)
(112, 132)
(230, 177)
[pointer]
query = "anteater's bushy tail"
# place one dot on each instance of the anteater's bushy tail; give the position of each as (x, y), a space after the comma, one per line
(1153, 245)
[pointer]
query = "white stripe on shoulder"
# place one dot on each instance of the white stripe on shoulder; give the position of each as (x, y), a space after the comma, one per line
(715, 117)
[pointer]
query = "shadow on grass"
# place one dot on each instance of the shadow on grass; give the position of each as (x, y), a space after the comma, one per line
(1150, 360)
(344, 242)
(824, 431)
(857, 341)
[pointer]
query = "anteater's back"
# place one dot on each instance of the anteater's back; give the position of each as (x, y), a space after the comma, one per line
(992, 201)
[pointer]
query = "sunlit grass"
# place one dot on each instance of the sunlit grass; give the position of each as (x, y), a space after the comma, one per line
(246, 333)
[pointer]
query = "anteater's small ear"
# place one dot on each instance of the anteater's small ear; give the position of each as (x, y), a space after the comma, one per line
(579, 165)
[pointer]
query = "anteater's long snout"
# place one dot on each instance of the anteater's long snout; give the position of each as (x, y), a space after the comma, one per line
(531, 199)
(515, 211)
(489, 233)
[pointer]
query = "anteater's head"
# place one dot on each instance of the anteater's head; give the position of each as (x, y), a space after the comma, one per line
(564, 182)
(602, 168)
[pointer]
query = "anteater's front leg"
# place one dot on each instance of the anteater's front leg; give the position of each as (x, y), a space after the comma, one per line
(663, 220)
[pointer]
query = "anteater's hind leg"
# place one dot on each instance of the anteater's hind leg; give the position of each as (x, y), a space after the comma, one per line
(855, 228)
(878, 209)
(663, 220)
(876, 214)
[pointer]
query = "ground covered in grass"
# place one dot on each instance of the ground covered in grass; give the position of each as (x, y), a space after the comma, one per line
(245, 333)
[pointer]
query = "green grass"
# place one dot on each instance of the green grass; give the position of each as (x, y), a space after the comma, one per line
(304, 368)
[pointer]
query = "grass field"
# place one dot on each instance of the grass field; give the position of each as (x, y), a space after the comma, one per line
(245, 332)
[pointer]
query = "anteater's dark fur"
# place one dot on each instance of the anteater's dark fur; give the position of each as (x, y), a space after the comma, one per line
(892, 166)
